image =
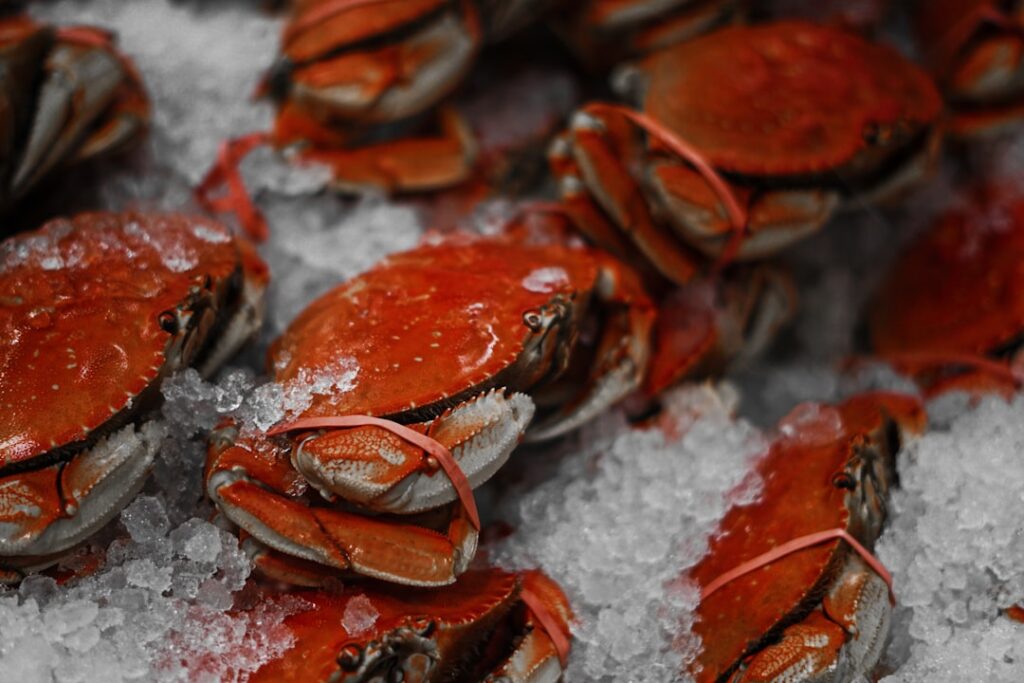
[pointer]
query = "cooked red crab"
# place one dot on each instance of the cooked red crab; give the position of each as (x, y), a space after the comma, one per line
(69, 96)
(975, 48)
(95, 311)
(820, 613)
(482, 628)
(604, 32)
(460, 342)
(781, 123)
(951, 311)
(349, 66)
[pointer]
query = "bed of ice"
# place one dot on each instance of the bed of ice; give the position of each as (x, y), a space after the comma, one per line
(613, 513)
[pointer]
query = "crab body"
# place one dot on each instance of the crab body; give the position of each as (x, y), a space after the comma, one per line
(95, 311)
(955, 295)
(818, 614)
(477, 629)
(790, 116)
(357, 82)
(69, 96)
(461, 342)
(975, 48)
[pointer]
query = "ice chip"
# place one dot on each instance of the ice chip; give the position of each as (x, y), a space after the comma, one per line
(359, 616)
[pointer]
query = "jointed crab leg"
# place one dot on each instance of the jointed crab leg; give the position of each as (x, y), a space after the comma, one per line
(401, 553)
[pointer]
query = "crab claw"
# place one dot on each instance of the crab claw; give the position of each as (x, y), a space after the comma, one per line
(254, 485)
(376, 469)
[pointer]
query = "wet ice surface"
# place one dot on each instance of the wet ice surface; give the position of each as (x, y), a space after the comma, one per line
(614, 515)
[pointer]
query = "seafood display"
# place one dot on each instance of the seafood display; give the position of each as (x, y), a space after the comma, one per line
(532, 341)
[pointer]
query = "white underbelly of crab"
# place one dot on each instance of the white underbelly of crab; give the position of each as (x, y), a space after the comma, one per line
(97, 484)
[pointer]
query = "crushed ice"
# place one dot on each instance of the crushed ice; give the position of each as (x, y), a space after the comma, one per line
(618, 514)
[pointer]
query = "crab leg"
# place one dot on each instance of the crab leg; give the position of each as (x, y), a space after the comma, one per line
(81, 82)
(249, 488)
(45, 511)
(540, 656)
(600, 144)
(404, 165)
(622, 352)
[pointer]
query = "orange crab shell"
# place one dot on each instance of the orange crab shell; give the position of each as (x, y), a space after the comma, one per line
(799, 498)
(479, 597)
(789, 98)
(429, 324)
(957, 288)
(83, 301)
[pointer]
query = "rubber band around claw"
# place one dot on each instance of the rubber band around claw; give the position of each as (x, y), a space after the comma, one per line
(548, 623)
(737, 214)
(441, 454)
(793, 546)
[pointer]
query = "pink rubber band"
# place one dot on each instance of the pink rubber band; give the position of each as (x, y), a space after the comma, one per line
(793, 546)
(236, 199)
(549, 623)
(441, 454)
(738, 216)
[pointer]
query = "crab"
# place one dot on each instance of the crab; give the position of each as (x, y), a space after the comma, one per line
(69, 96)
(604, 32)
(975, 48)
(756, 136)
(485, 627)
(819, 613)
(454, 348)
(356, 77)
(95, 311)
(951, 310)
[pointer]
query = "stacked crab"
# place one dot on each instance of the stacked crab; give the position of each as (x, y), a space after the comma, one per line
(653, 264)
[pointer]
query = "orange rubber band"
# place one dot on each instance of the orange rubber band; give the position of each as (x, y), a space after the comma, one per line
(793, 546)
(737, 214)
(441, 454)
(548, 623)
(236, 199)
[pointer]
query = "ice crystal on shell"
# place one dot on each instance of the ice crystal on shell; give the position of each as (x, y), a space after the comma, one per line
(359, 616)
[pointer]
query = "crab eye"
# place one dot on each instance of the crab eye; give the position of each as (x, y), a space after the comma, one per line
(168, 322)
(844, 481)
(350, 657)
(533, 320)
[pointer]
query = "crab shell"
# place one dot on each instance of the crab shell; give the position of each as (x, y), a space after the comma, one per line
(605, 32)
(794, 116)
(460, 341)
(819, 613)
(95, 311)
(474, 630)
(69, 96)
(956, 289)
(975, 48)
